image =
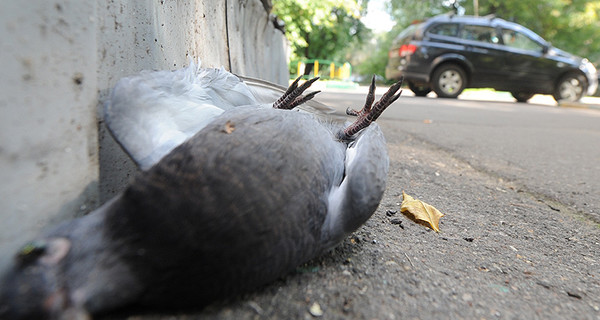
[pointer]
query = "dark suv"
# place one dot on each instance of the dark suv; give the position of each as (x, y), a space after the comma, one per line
(448, 53)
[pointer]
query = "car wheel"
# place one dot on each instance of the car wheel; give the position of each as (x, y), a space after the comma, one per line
(570, 88)
(522, 96)
(449, 80)
(418, 90)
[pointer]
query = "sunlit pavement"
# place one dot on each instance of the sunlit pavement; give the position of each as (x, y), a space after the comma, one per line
(586, 102)
(469, 94)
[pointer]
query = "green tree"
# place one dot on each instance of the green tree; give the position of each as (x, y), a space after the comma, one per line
(403, 12)
(322, 29)
(371, 58)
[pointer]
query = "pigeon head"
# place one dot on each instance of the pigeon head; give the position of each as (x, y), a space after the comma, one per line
(66, 273)
(33, 288)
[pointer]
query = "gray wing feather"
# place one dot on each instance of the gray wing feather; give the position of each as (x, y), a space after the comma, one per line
(151, 113)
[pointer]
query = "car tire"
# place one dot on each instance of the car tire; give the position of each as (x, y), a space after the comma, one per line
(522, 96)
(570, 88)
(418, 90)
(448, 80)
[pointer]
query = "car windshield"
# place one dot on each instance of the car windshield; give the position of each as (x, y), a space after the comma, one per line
(518, 40)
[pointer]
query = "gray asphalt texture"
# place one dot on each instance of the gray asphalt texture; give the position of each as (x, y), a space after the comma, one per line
(520, 238)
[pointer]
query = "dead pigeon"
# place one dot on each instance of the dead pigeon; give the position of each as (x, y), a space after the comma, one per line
(238, 188)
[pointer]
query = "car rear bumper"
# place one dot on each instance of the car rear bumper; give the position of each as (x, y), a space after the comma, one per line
(397, 73)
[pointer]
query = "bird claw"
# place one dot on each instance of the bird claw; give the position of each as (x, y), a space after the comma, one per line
(293, 95)
(370, 112)
(368, 102)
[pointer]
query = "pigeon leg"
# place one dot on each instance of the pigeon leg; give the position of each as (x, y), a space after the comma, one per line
(293, 96)
(370, 112)
(368, 102)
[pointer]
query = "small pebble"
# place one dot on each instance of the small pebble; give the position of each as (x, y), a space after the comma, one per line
(467, 297)
(574, 293)
(544, 284)
(390, 213)
(396, 221)
(315, 310)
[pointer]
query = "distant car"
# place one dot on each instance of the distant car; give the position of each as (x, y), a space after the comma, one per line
(448, 53)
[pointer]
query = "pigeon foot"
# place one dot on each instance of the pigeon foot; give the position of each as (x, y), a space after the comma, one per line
(293, 96)
(370, 112)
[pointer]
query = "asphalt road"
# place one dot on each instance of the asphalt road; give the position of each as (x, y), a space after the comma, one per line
(519, 187)
(549, 151)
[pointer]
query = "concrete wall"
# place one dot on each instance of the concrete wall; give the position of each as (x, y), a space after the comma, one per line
(60, 58)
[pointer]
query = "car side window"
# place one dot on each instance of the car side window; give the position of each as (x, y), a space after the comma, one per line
(480, 33)
(518, 40)
(444, 29)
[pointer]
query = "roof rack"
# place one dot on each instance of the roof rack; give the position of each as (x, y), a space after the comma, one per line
(450, 14)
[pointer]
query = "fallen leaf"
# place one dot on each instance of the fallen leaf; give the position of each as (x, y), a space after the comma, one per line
(229, 127)
(420, 212)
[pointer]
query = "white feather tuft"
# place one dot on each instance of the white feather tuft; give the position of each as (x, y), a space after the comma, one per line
(153, 112)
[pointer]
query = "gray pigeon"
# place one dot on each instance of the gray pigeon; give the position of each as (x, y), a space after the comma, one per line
(241, 182)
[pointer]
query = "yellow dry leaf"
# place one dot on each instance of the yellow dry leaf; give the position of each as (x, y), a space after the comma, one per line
(421, 212)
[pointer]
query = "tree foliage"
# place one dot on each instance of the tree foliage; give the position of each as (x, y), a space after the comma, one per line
(321, 29)
(372, 57)
(403, 12)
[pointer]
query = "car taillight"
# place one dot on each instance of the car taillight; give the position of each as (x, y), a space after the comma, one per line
(407, 49)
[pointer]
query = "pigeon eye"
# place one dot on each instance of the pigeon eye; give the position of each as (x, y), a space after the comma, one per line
(31, 251)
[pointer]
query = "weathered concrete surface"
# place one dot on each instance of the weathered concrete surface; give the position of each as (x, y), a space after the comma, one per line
(60, 58)
(247, 30)
(48, 140)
